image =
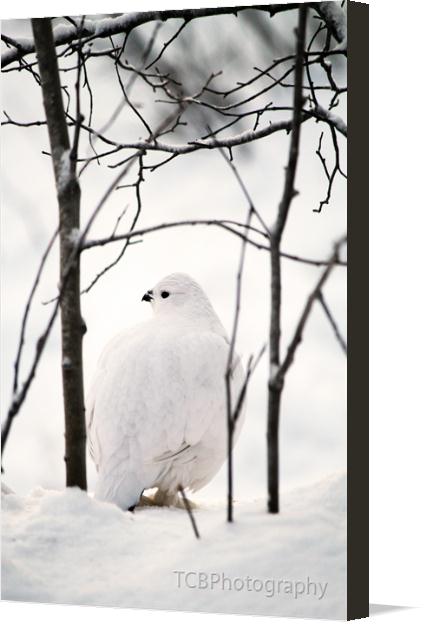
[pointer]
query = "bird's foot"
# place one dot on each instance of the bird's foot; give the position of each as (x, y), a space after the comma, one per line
(145, 501)
(164, 499)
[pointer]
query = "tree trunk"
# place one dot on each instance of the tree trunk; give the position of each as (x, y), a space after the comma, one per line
(274, 388)
(68, 194)
(276, 378)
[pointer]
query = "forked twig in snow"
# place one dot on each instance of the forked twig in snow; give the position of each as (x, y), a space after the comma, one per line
(234, 413)
(231, 421)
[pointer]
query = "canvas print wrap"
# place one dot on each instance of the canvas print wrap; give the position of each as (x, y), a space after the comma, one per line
(174, 327)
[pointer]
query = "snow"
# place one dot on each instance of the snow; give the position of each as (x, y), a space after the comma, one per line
(64, 171)
(328, 115)
(274, 369)
(66, 547)
(337, 18)
(75, 235)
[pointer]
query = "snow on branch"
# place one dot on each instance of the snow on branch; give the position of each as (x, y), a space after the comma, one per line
(105, 27)
(228, 142)
(329, 116)
(336, 19)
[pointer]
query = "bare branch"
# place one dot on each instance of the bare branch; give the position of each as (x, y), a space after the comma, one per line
(20, 396)
(132, 79)
(78, 116)
(20, 124)
(296, 340)
(132, 226)
(233, 413)
(336, 168)
(226, 224)
(27, 309)
(70, 263)
(167, 44)
(251, 367)
(332, 321)
(125, 95)
(231, 366)
(245, 191)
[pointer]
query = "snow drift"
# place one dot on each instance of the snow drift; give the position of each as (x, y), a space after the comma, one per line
(65, 547)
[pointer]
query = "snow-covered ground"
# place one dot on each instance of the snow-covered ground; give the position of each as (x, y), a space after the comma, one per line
(65, 547)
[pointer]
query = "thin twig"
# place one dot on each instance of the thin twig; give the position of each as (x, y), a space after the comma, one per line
(77, 246)
(251, 367)
(228, 225)
(189, 511)
(332, 321)
(244, 190)
(314, 295)
(125, 94)
(231, 421)
(78, 116)
(129, 85)
(27, 309)
(167, 44)
(128, 242)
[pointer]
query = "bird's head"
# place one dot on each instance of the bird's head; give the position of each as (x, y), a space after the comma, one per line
(178, 295)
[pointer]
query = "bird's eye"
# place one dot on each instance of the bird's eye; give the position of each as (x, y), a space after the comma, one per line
(165, 294)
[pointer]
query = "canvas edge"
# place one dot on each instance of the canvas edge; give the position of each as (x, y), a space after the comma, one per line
(358, 277)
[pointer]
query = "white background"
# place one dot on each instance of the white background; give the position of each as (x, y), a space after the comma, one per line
(405, 341)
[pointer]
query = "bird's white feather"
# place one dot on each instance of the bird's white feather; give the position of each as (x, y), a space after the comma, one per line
(156, 410)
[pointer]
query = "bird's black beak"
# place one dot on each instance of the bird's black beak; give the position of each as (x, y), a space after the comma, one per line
(147, 297)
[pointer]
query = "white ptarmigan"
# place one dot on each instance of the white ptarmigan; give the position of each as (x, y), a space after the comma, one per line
(156, 410)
